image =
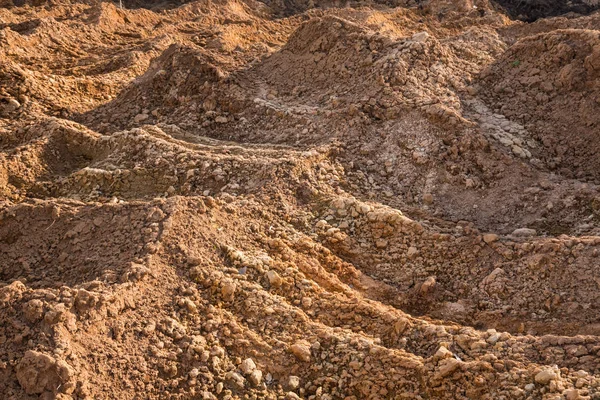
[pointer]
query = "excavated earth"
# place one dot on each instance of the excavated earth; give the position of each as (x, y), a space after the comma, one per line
(233, 199)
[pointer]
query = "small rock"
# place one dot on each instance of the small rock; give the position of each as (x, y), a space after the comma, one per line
(544, 377)
(291, 383)
(572, 394)
(427, 198)
(256, 377)
(420, 37)
(11, 106)
(228, 291)
(490, 238)
(235, 380)
(274, 279)
(247, 366)
(428, 285)
(442, 353)
(412, 252)
(140, 117)
(524, 232)
(301, 350)
(448, 366)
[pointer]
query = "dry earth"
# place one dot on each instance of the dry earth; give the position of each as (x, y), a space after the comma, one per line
(233, 199)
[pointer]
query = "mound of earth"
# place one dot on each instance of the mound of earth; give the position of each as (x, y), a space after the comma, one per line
(549, 82)
(298, 200)
(531, 10)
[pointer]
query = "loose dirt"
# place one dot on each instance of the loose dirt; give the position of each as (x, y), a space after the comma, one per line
(233, 199)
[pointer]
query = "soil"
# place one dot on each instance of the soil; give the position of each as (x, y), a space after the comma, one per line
(233, 199)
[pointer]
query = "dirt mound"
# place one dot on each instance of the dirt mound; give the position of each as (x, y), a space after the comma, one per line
(531, 10)
(371, 200)
(550, 83)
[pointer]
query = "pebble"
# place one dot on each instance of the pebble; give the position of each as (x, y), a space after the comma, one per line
(490, 238)
(235, 380)
(420, 36)
(247, 366)
(301, 350)
(524, 232)
(228, 291)
(274, 279)
(544, 377)
(291, 383)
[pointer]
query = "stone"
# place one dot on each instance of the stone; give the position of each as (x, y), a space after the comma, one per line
(428, 285)
(529, 387)
(490, 238)
(235, 380)
(256, 377)
(448, 366)
(291, 396)
(412, 252)
(427, 198)
(524, 232)
(11, 105)
(291, 383)
(140, 118)
(545, 376)
(442, 353)
(228, 291)
(247, 366)
(420, 36)
(301, 350)
(572, 394)
(274, 279)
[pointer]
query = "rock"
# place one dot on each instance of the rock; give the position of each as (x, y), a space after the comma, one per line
(427, 198)
(524, 232)
(400, 325)
(10, 106)
(274, 279)
(442, 353)
(235, 380)
(545, 376)
(256, 377)
(529, 387)
(428, 285)
(301, 350)
(38, 372)
(493, 339)
(448, 366)
(140, 117)
(221, 120)
(381, 243)
(412, 252)
(247, 366)
(291, 396)
(228, 291)
(490, 238)
(572, 394)
(420, 36)
(291, 383)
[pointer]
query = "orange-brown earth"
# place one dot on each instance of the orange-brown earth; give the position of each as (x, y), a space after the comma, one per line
(233, 199)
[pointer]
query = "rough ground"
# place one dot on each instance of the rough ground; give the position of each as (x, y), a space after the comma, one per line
(231, 199)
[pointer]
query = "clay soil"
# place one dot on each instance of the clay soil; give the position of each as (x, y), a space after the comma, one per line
(234, 199)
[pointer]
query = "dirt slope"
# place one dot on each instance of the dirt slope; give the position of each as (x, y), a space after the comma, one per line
(324, 200)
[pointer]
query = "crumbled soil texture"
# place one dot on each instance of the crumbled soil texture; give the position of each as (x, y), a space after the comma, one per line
(235, 199)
